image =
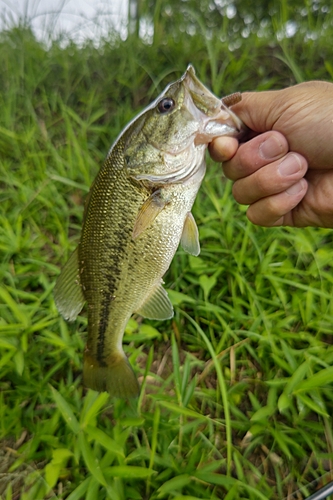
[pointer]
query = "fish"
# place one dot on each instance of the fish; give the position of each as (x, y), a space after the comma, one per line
(137, 212)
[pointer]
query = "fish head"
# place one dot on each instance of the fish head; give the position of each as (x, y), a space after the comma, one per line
(166, 142)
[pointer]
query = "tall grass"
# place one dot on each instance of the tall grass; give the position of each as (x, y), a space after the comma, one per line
(237, 397)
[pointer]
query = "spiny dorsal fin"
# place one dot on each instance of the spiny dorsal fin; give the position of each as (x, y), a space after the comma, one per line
(190, 237)
(148, 213)
(67, 292)
(157, 305)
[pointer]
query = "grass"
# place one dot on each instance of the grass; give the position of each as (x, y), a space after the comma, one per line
(237, 396)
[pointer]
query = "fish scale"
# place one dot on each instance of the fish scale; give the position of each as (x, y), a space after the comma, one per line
(111, 239)
(137, 212)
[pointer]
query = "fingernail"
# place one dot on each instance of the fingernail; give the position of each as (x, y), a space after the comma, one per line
(296, 188)
(290, 165)
(270, 148)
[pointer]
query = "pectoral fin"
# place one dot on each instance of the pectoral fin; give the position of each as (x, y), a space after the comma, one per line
(190, 237)
(148, 213)
(67, 292)
(157, 305)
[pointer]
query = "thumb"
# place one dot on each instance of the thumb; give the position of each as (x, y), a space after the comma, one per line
(302, 113)
(278, 109)
(259, 110)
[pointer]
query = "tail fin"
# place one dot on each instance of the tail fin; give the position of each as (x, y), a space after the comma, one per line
(116, 376)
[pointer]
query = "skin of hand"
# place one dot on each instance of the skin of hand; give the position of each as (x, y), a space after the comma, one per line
(284, 172)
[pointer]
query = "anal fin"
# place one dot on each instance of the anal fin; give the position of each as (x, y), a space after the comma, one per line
(157, 305)
(190, 237)
(67, 292)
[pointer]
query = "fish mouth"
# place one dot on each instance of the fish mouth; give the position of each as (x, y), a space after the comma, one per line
(215, 117)
(225, 123)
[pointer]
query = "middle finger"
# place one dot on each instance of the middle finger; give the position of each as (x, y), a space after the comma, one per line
(270, 179)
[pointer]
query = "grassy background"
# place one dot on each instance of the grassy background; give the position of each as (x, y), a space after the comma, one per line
(237, 397)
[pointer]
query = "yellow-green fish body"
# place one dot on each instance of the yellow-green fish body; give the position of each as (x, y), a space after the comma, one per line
(137, 212)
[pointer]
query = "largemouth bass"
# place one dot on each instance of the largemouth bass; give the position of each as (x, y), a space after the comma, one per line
(137, 212)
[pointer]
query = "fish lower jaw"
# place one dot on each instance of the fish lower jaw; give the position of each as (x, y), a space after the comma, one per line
(213, 130)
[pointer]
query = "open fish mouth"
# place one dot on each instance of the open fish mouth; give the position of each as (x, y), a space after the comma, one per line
(225, 123)
(215, 118)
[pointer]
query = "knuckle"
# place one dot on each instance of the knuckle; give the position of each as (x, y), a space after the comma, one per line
(238, 193)
(266, 212)
(245, 156)
(263, 183)
(254, 216)
(227, 168)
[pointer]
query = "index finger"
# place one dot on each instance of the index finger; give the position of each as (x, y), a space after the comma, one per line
(256, 153)
(223, 148)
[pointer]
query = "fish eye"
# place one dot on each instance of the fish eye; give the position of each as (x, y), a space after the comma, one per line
(165, 105)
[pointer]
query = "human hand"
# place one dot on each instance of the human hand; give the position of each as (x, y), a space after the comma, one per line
(285, 172)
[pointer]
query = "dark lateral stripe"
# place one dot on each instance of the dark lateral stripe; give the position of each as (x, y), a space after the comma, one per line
(120, 238)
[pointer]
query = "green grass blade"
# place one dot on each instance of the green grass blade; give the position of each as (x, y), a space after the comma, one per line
(90, 460)
(223, 389)
(66, 411)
